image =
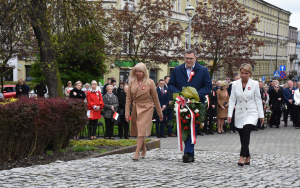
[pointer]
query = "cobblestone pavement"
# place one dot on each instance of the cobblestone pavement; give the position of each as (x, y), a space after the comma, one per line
(214, 166)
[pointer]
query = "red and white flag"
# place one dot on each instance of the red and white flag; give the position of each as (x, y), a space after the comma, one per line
(116, 116)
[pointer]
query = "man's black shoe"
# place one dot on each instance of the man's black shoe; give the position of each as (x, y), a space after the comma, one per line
(211, 133)
(255, 129)
(158, 136)
(186, 158)
(163, 136)
(201, 134)
(207, 133)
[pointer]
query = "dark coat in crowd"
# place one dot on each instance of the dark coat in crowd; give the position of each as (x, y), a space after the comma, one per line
(121, 95)
(108, 102)
(21, 90)
(40, 90)
(77, 94)
(274, 99)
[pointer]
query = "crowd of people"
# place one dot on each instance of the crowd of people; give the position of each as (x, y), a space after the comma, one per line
(278, 100)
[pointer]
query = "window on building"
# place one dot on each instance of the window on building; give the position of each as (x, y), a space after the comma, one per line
(130, 4)
(124, 75)
(153, 75)
(128, 49)
(178, 5)
(27, 70)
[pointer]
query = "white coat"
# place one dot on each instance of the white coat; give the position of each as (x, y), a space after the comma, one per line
(248, 103)
(297, 97)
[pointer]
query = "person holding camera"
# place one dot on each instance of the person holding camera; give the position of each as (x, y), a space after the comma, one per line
(222, 108)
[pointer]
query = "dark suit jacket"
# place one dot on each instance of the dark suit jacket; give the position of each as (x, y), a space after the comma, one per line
(201, 81)
(163, 97)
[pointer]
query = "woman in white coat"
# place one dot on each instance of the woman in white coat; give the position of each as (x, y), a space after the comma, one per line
(246, 99)
(297, 106)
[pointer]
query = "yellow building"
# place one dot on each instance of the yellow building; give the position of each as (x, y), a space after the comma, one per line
(272, 55)
(275, 36)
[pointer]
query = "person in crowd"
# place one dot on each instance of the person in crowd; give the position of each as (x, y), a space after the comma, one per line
(266, 88)
(263, 98)
(163, 97)
(113, 83)
(271, 87)
(297, 106)
(285, 86)
(217, 85)
(26, 86)
(68, 89)
(77, 93)
(141, 95)
(211, 113)
(169, 110)
(295, 84)
(228, 80)
(276, 101)
(245, 96)
(86, 87)
(195, 75)
(21, 89)
(213, 82)
(123, 126)
(104, 87)
(231, 125)
(95, 104)
(1, 95)
(111, 104)
(288, 94)
(40, 90)
(222, 107)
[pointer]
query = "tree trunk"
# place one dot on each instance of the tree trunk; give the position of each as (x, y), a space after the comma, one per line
(42, 31)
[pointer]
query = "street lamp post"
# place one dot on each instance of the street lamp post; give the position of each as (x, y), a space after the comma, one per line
(190, 12)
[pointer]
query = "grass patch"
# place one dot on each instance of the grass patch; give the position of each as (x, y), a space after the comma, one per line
(104, 142)
(102, 151)
(49, 152)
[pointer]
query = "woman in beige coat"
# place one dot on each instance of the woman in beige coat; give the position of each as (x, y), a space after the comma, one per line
(141, 95)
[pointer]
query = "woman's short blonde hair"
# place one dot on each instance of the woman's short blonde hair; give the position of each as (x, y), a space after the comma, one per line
(139, 67)
(78, 82)
(109, 86)
(223, 83)
(247, 67)
(94, 82)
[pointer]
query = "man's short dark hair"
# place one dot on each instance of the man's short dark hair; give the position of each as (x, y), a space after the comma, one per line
(108, 79)
(166, 77)
(113, 81)
(122, 83)
(161, 80)
(191, 51)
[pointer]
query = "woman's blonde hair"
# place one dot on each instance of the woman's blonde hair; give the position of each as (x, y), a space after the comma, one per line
(247, 67)
(109, 86)
(78, 82)
(139, 67)
(223, 83)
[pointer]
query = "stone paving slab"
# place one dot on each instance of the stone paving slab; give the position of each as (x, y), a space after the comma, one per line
(282, 141)
(161, 168)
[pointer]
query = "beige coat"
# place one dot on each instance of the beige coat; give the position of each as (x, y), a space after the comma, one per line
(142, 100)
(222, 98)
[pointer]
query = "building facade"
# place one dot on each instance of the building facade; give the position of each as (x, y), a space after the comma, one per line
(273, 30)
(292, 56)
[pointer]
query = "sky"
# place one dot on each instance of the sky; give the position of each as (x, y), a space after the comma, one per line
(292, 6)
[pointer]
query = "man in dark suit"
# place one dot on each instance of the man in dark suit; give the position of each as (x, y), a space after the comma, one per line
(195, 75)
(169, 111)
(211, 113)
(163, 98)
(263, 99)
(104, 87)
